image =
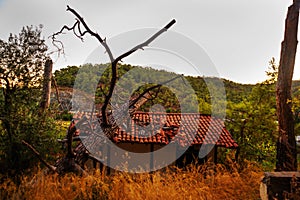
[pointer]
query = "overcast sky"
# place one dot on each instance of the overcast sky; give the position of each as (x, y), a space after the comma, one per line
(240, 36)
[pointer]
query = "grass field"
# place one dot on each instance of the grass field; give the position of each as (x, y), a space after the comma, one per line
(201, 182)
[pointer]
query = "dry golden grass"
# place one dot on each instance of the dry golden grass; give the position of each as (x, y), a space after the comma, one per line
(201, 182)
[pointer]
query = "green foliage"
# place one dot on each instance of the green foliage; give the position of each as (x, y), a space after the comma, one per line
(65, 116)
(21, 64)
(272, 72)
(296, 105)
(253, 124)
(90, 74)
(66, 76)
(22, 58)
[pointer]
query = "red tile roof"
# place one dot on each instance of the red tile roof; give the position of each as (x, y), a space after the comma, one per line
(184, 128)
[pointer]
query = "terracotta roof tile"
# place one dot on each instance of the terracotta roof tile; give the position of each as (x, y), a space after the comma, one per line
(194, 128)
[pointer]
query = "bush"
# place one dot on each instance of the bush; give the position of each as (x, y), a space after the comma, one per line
(65, 116)
(37, 129)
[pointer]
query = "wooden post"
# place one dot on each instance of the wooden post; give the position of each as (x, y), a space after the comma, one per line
(286, 159)
(45, 103)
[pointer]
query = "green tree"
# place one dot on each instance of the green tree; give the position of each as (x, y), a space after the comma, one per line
(66, 76)
(253, 122)
(22, 60)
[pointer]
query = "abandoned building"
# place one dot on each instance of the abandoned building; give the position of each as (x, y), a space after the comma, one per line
(190, 131)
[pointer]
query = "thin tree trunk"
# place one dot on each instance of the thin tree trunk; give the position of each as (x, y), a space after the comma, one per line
(242, 141)
(286, 144)
(45, 103)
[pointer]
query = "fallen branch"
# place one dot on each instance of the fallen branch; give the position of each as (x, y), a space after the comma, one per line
(38, 155)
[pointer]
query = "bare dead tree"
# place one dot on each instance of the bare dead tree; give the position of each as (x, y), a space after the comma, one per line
(70, 163)
(286, 159)
(80, 29)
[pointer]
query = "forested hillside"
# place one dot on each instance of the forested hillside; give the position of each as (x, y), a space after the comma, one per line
(65, 77)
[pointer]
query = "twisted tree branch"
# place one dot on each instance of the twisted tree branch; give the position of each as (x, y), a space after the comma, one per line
(152, 88)
(78, 25)
(114, 68)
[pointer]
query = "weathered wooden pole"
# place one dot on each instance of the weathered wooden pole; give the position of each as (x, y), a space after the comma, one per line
(286, 159)
(45, 102)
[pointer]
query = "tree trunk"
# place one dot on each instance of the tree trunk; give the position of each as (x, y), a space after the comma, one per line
(45, 103)
(286, 144)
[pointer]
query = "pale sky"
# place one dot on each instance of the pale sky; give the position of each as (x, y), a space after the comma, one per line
(240, 36)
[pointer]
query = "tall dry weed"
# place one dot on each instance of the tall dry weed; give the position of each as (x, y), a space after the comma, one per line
(196, 182)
